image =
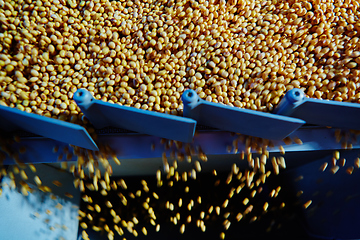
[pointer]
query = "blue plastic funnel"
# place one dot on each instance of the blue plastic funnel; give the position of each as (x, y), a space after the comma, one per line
(103, 114)
(248, 122)
(14, 119)
(319, 112)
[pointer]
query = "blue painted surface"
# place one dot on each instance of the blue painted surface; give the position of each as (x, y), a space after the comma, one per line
(244, 121)
(25, 217)
(39, 150)
(329, 217)
(320, 112)
(137, 146)
(14, 119)
(335, 211)
(102, 114)
(19, 218)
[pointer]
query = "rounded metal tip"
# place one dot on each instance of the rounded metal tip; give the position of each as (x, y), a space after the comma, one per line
(82, 97)
(295, 95)
(189, 96)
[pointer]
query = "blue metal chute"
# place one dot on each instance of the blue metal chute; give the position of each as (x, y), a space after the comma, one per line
(319, 112)
(244, 121)
(102, 114)
(13, 119)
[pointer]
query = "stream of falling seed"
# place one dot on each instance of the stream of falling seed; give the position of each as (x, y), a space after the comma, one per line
(181, 208)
